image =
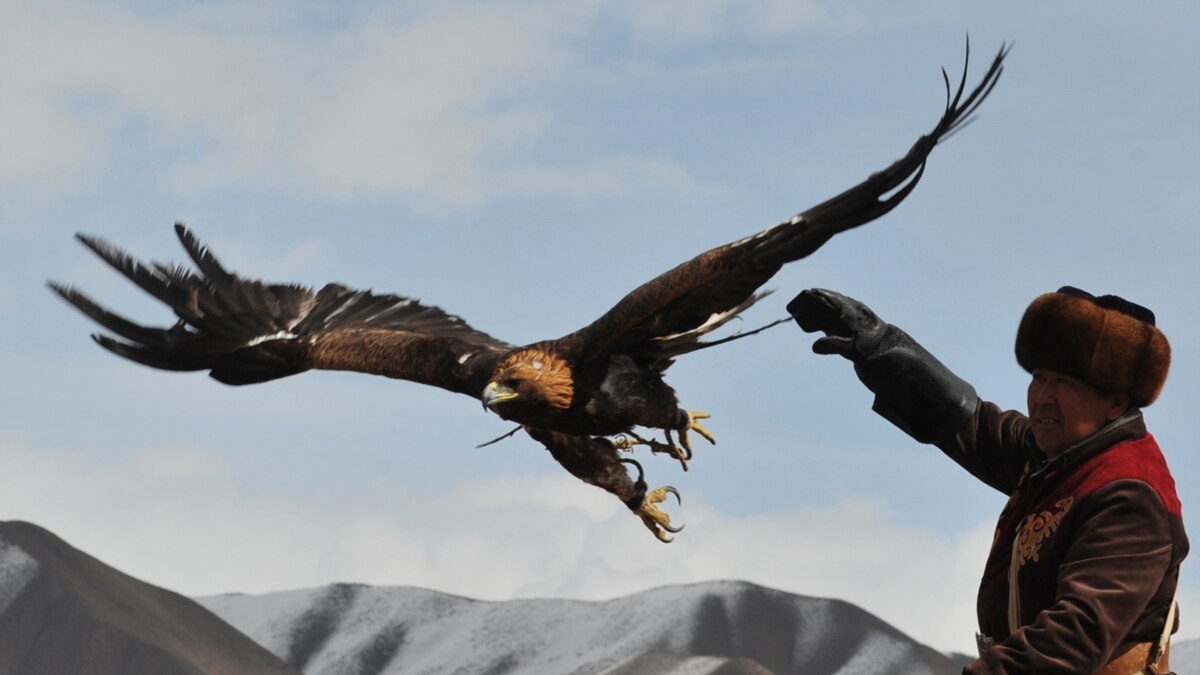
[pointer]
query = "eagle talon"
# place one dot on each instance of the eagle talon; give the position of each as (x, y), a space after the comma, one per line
(681, 452)
(639, 486)
(628, 441)
(657, 521)
(643, 503)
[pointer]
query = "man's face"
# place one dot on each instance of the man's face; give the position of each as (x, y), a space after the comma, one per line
(1064, 410)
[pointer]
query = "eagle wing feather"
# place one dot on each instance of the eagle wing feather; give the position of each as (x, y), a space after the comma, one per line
(725, 278)
(246, 330)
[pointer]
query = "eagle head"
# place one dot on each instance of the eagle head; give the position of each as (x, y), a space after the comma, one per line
(529, 380)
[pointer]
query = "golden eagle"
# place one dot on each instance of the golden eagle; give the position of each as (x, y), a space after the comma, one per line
(581, 395)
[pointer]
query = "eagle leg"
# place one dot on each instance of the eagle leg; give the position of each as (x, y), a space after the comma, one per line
(629, 440)
(596, 461)
(643, 504)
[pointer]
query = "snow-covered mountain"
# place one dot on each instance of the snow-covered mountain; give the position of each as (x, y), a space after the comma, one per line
(62, 611)
(717, 627)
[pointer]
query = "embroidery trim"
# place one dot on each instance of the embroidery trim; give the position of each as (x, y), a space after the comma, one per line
(1038, 527)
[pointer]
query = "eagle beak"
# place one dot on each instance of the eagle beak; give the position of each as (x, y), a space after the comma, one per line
(494, 393)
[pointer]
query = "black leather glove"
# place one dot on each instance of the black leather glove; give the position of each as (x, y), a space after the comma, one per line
(852, 329)
(913, 390)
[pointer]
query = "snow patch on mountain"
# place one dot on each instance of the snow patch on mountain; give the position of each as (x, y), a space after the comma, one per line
(17, 569)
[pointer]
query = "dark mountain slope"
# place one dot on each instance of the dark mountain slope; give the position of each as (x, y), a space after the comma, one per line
(63, 611)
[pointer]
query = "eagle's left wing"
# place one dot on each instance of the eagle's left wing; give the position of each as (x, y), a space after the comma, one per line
(669, 313)
(245, 331)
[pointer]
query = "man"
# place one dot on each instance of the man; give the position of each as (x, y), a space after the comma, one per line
(1083, 568)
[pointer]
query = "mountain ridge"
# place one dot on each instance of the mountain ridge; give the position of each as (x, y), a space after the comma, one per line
(321, 631)
(63, 611)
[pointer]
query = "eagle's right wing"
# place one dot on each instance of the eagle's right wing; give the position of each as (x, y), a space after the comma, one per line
(245, 331)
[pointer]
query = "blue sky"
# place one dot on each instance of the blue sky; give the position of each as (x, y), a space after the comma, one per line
(524, 165)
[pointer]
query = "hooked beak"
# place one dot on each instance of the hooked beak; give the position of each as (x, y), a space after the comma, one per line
(495, 393)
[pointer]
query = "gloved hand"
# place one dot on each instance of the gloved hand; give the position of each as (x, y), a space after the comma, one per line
(851, 328)
(913, 390)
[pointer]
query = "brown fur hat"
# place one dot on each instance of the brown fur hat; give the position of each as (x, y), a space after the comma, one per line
(1106, 341)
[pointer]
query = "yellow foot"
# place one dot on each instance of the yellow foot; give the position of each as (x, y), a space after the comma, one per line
(656, 520)
(629, 440)
(643, 503)
(694, 425)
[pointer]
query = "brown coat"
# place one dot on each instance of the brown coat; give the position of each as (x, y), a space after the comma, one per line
(1099, 538)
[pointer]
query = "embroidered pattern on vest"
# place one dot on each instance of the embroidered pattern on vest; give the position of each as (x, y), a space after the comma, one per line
(1038, 527)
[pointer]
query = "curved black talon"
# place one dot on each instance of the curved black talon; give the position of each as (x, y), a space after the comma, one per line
(641, 474)
(679, 500)
(639, 486)
(642, 503)
(681, 451)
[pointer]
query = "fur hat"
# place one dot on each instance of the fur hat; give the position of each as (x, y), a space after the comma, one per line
(1106, 341)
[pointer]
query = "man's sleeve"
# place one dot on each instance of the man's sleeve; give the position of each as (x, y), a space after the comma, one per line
(994, 446)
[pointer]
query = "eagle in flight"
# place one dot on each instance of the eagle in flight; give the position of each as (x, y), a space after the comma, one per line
(581, 395)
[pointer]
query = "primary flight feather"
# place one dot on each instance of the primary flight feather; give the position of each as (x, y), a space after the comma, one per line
(580, 395)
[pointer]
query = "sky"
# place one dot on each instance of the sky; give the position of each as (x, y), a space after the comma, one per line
(524, 165)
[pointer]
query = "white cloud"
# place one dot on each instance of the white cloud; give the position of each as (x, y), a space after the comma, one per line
(613, 176)
(177, 518)
(415, 107)
(172, 467)
(670, 23)
(99, 78)
(423, 104)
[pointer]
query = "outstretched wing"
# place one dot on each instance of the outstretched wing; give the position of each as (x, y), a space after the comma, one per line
(245, 331)
(667, 315)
